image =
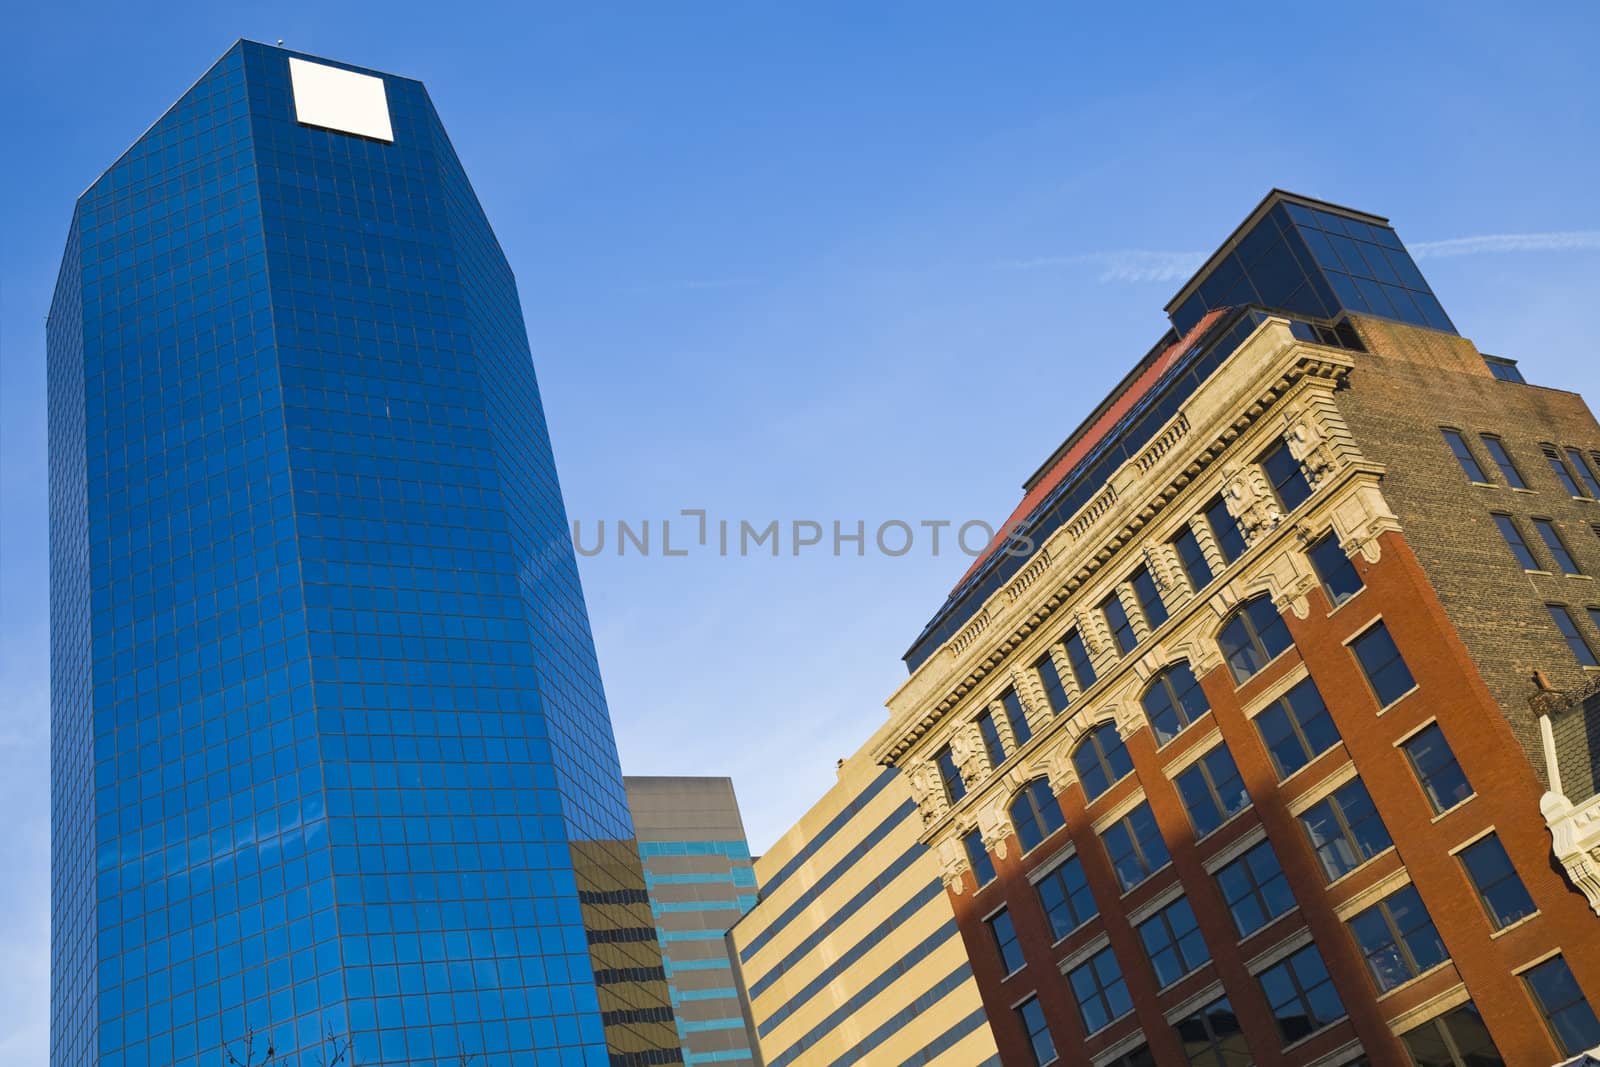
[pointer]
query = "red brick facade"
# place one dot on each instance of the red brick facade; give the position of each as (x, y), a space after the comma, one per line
(1506, 797)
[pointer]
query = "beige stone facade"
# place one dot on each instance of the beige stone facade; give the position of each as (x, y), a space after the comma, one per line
(852, 956)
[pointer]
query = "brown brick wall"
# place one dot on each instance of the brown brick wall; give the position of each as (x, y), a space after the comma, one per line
(1397, 398)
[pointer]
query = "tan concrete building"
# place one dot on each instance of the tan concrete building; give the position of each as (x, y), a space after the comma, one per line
(699, 880)
(852, 956)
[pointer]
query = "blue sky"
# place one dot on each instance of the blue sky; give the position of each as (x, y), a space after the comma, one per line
(823, 262)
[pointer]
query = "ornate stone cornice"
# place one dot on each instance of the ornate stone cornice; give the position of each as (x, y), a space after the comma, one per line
(1575, 840)
(1269, 367)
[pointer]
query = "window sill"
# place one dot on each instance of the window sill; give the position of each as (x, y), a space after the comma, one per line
(1141, 883)
(1074, 932)
(1547, 574)
(1102, 1029)
(1414, 979)
(1454, 808)
(1340, 606)
(1012, 974)
(1182, 978)
(1583, 577)
(1361, 866)
(1313, 1035)
(1270, 923)
(1512, 926)
(1312, 762)
(1484, 485)
(1265, 667)
(1514, 489)
(1225, 823)
(1397, 700)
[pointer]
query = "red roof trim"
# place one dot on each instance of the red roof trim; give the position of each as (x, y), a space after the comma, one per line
(1096, 433)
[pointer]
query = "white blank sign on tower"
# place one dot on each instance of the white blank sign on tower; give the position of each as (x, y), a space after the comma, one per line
(340, 100)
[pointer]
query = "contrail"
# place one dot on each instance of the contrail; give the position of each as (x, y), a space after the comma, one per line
(1488, 244)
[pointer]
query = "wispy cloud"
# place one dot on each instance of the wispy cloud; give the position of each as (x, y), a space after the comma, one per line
(1495, 243)
(1121, 265)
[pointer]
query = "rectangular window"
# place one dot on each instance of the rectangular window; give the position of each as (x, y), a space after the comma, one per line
(1054, 691)
(1572, 635)
(1225, 530)
(1558, 548)
(1172, 939)
(1149, 597)
(1436, 768)
(1345, 830)
(1288, 478)
(1195, 567)
(1301, 994)
(1505, 899)
(1006, 941)
(950, 775)
(1021, 732)
(1031, 1015)
(1212, 1037)
(1102, 994)
(1334, 569)
(1296, 728)
(1136, 847)
(1118, 622)
(1398, 939)
(1457, 1038)
(1502, 459)
(1078, 659)
(1255, 889)
(1212, 790)
(1519, 548)
(1380, 660)
(978, 857)
(1064, 895)
(1463, 454)
(991, 739)
(1506, 370)
(1594, 617)
(1585, 475)
(1562, 471)
(1568, 1014)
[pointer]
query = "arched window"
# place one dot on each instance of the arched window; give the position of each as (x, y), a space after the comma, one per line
(1173, 701)
(1101, 759)
(1253, 636)
(1036, 813)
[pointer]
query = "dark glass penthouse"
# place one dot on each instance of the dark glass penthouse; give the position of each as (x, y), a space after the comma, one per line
(1293, 256)
(330, 749)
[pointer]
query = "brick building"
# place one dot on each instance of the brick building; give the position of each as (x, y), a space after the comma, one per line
(1250, 746)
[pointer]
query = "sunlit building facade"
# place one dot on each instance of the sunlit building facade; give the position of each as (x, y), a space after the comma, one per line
(1270, 737)
(330, 749)
(852, 956)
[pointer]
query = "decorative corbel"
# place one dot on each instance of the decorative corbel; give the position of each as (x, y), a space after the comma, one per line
(1308, 442)
(927, 789)
(994, 822)
(1058, 766)
(1361, 518)
(1249, 500)
(967, 748)
(953, 864)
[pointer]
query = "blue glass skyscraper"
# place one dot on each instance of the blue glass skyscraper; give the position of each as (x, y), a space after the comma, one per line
(330, 749)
